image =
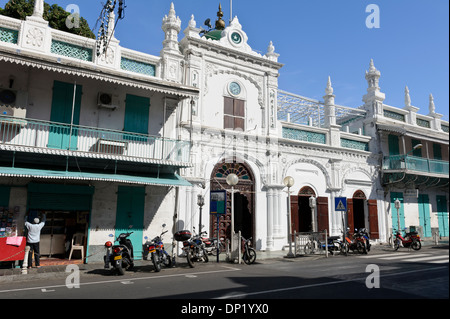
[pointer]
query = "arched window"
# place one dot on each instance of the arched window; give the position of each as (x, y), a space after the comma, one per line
(307, 191)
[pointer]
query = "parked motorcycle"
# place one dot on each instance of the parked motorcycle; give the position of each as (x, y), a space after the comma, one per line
(209, 245)
(193, 246)
(356, 242)
(334, 244)
(212, 246)
(120, 257)
(411, 240)
(159, 255)
(364, 233)
(248, 253)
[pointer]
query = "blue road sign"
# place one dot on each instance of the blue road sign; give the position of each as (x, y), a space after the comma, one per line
(218, 203)
(340, 204)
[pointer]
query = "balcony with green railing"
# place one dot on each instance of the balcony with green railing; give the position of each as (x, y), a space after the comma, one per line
(417, 165)
(29, 135)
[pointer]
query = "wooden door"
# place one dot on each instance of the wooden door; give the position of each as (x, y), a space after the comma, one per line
(350, 223)
(130, 215)
(322, 214)
(373, 219)
(294, 214)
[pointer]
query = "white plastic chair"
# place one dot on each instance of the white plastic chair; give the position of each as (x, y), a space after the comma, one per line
(77, 244)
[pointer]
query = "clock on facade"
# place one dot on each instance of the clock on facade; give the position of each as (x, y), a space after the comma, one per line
(235, 88)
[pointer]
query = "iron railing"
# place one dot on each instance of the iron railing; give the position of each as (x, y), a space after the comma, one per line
(38, 134)
(417, 164)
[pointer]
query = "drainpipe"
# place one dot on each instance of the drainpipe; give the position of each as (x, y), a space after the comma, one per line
(73, 110)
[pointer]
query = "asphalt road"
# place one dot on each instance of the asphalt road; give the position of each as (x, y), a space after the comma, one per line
(378, 275)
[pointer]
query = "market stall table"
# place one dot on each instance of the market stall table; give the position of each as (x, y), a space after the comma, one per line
(12, 252)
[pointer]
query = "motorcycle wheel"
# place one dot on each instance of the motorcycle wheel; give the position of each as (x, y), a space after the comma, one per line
(168, 261)
(344, 248)
(416, 245)
(249, 256)
(361, 248)
(396, 245)
(205, 256)
(119, 269)
(156, 262)
(190, 257)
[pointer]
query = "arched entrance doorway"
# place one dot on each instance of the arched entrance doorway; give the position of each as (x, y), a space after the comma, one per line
(244, 206)
(356, 211)
(302, 218)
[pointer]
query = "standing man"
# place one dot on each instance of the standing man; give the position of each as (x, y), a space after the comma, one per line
(33, 239)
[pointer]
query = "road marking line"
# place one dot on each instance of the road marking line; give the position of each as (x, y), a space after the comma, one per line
(383, 255)
(401, 257)
(439, 261)
(45, 290)
(427, 258)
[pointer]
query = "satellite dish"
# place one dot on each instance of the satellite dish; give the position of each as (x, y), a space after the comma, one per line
(208, 23)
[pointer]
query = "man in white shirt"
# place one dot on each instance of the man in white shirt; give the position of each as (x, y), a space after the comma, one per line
(33, 239)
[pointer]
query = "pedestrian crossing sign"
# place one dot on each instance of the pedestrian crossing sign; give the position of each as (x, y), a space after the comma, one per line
(340, 204)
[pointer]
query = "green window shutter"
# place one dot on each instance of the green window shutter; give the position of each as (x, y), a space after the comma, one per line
(437, 151)
(394, 148)
(442, 215)
(137, 111)
(62, 105)
(5, 192)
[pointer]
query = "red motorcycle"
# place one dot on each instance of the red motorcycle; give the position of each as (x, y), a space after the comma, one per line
(356, 242)
(411, 240)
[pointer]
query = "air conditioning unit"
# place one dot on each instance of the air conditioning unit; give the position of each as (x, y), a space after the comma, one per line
(107, 100)
(8, 97)
(13, 103)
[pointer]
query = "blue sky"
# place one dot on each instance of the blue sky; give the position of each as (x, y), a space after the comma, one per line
(318, 38)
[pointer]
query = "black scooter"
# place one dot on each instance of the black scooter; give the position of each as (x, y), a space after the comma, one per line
(120, 256)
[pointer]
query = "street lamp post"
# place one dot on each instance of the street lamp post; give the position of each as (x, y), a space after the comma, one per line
(312, 204)
(397, 204)
(232, 180)
(289, 182)
(200, 203)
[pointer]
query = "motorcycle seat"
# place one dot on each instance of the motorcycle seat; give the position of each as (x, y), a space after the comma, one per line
(333, 237)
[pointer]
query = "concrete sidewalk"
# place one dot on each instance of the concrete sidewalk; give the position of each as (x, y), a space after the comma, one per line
(52, 271)
(15, 274)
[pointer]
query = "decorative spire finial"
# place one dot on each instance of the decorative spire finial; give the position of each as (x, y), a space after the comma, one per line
(373, 77)
(431, 106)
(171, 26)
(271, 54)
(220, 24)
(38, 9)
(407, 97)
(329, 90)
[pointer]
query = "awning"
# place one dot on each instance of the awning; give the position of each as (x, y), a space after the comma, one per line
(165, 179)
(98, 73)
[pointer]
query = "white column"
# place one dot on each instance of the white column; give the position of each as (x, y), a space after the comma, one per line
(270, 211)
(275, 216)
